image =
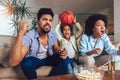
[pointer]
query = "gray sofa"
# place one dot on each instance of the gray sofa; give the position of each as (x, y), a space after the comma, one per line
(15, 73)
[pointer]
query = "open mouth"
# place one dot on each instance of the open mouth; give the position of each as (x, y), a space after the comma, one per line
(103, 31)
(66, 33)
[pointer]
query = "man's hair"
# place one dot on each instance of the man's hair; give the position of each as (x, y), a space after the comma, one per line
(91, 20)
(44, 11)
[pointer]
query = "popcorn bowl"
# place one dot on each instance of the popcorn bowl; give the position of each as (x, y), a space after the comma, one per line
(88, 73)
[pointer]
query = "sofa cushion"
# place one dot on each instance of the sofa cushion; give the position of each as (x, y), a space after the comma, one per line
(44, 70)
(4, 57)
(16, 72)
(11, 72)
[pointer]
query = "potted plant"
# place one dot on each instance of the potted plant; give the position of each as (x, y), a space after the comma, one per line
(17, 9)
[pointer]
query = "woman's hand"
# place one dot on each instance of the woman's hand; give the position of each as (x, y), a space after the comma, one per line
(94, 51)
(97, 50)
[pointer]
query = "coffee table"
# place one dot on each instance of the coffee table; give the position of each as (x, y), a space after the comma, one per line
(115, 76)
(59, 77)
(107, 76)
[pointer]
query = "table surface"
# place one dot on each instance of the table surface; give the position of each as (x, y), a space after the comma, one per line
(107, 76)
(115, 76)
(59, 77)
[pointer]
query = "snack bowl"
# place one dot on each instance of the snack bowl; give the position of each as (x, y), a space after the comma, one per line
(88, 73)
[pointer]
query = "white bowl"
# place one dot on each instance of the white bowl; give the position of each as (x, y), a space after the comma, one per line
(88, 73)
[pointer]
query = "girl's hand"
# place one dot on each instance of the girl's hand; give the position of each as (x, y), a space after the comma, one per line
(75, 20)
(59, 22)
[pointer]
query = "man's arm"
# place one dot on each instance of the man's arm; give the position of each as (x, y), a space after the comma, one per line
(18, 51)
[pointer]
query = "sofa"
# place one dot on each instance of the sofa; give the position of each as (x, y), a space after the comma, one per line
(15, 73)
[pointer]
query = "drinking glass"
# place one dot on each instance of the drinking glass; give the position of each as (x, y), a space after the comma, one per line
(111, 64)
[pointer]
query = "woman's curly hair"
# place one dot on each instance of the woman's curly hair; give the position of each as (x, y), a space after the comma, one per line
(91, 20)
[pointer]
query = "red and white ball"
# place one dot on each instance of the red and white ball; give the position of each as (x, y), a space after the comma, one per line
(67, 17)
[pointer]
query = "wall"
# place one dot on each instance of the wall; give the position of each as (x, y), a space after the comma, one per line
(55, 20)
(116, 20)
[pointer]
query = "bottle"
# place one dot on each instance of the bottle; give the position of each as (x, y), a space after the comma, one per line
(111, 67)
(111, 64)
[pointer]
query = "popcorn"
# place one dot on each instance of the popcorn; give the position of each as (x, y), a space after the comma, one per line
(88, 75)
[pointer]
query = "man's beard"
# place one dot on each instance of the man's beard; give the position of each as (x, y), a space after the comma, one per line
(45, 31)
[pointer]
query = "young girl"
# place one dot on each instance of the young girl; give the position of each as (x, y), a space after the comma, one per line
(68, 41)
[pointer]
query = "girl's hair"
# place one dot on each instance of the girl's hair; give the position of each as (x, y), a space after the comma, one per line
(63, 25)
(91, 20)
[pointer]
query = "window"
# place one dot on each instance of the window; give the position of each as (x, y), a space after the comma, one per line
(5, 23)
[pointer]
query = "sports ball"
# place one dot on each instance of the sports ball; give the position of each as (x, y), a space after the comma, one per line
(67, 17)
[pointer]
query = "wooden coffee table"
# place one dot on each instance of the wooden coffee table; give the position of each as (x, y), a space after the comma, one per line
(115, 76)
(59, 77)
(107, 76)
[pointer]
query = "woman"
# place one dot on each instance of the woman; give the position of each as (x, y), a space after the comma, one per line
(95, 40)
(68, 41)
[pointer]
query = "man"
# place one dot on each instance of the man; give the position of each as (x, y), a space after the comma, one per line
(34, 48)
